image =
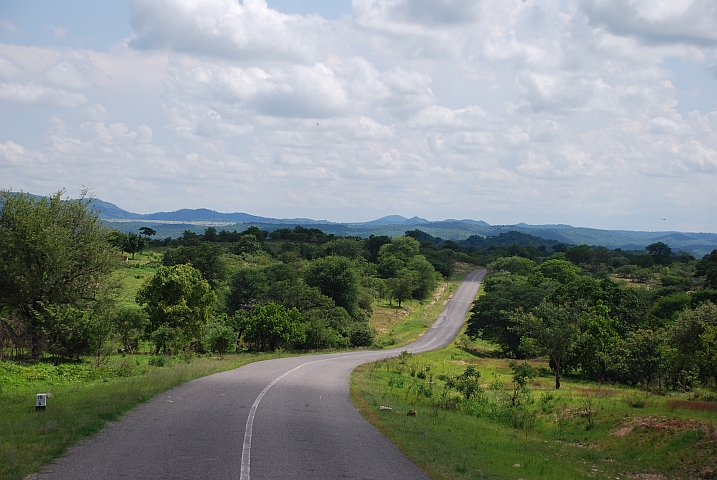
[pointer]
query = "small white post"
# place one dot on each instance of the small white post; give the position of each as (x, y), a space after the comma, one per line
(40, 401)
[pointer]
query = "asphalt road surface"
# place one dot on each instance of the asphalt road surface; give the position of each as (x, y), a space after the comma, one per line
(287, 418)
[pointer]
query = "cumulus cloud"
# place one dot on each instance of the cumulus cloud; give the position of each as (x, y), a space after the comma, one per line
(506, 111)
(657, 21)
(32, 94)
(399, 15)
(224, 28)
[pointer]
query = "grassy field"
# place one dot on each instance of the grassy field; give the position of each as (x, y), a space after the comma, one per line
(133, 273)
(582, 430)
(84, 399)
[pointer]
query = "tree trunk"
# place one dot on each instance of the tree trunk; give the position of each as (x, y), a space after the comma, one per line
(557, 374)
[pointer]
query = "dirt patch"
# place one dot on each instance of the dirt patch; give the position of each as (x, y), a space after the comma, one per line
(383, 319)
(654, 422)
(437, 295)
(621, 432)
(693, 405)
(644, 476)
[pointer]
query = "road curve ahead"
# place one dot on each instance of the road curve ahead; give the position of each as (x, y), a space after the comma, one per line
(287, 418)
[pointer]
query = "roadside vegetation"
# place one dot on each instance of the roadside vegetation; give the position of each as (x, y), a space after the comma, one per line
(574, 364)
(482, 417)
(105, 320)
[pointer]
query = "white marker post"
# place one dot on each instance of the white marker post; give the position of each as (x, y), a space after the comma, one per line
(40, 401)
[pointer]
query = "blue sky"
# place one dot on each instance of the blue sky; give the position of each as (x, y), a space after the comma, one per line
(598, 113)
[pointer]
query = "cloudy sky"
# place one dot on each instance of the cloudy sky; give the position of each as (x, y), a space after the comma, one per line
(598, 113)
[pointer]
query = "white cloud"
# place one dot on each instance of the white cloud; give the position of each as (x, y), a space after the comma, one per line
(32, 94)
(9, 69)
(557, 111)
(406, 16)
(12, 152)
(657, 21)
(6, 24)
(224, 28)
(59, 32)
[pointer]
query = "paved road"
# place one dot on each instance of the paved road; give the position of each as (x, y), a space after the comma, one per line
(287, 418)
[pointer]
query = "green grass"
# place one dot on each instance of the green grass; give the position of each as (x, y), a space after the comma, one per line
(454, 438)
(84, 399)
(132, 274)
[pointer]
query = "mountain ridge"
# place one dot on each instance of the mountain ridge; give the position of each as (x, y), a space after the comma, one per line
(174, 223)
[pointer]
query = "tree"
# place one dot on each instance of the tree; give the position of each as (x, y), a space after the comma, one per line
(272, 325)
(177, 297)
(258, 233)
(336, 278)
(210, 235)
(147, 232)
(247, 244)
(709, 351)
(403, 286)
(516, 265)
(596, 341)
(403, 248)
(707, 267)
(425, 277)
(490, 314)
(54, 255)
(669, 306)
(219, 338)
(639, 356)
(351, 248)
(550, 330)
(247, 287)
(130, 323)
(373, 245)
(389, 266)
(687, 337)
(133, 243)
(561, 271)
(602, 256)
(580, 254)
(205, 257)
(661, 252)
(622, 303)
(299, 295)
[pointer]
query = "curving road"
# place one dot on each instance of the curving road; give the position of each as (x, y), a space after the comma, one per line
(284, 418)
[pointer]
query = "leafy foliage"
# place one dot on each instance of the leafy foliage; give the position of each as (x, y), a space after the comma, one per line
(178, 297)
(55, 263)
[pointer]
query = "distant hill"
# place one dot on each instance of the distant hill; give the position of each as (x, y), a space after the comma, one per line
(396, 220)
(173, 224)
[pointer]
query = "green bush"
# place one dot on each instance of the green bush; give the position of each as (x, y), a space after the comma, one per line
(219, 338)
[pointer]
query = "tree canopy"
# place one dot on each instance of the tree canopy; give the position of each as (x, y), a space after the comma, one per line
(54, 260)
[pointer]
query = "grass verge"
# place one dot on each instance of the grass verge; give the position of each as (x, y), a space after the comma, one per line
(84, 399)
(582, 430)
(397, 326)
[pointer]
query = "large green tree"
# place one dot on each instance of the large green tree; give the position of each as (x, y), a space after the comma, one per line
(336, 278)
(248, 286)
(549, 330)
(660, 251)
(54, 257)
(205, 257)
(133, 243)
(707, 267)
(178, 297)
(270, 326)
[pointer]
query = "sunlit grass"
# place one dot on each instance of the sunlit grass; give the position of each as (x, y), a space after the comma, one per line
(633, 432)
